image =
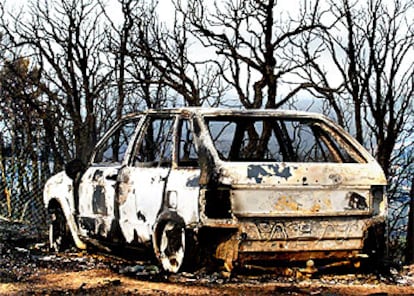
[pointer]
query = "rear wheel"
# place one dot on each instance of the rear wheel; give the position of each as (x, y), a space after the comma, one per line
(60, 237)
(171, 244)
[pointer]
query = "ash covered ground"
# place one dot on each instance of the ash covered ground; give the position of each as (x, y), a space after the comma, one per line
(28, 268)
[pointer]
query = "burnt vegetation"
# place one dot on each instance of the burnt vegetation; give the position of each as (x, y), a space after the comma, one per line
(69, 69)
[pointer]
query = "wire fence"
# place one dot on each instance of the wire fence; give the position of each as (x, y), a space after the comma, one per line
(21, 192)
(21, 200)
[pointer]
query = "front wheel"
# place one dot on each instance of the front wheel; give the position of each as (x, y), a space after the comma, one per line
(171, 246)
(59, 234)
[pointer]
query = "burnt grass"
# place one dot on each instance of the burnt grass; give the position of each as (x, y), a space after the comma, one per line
(24, 254)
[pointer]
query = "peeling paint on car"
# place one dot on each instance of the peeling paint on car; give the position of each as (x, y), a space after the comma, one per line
(259, 171)
(193, 181)
(248, 185)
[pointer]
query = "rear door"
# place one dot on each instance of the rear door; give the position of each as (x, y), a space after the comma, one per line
(183, 188)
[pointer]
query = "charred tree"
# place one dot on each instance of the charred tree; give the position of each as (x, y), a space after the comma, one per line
(65, 40)
(372, 92)
(409, 253)
(254, 45)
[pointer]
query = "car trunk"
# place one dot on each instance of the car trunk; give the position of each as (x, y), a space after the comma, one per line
(298, 189)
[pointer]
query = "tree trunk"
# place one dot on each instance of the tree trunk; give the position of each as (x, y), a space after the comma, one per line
(409, 252)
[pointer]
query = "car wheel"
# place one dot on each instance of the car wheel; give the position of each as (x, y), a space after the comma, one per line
(171, 246)
(59, 234)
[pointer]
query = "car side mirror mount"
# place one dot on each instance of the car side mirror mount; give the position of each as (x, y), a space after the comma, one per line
(74, 167)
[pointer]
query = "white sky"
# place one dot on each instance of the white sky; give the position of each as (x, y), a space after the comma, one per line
(166, 13)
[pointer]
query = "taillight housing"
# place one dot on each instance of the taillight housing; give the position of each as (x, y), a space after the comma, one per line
(379, 200)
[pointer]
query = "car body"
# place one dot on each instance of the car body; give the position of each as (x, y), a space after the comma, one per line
(245, 185)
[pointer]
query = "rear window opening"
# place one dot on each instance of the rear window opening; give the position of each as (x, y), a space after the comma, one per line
(252, 138)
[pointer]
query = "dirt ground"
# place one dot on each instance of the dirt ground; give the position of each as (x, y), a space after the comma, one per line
(27, 268)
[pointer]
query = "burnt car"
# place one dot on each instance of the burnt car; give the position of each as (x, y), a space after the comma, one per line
(242, 186)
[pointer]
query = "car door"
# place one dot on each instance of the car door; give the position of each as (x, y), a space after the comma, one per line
(97, 207)
(183, 188)
(142, 183)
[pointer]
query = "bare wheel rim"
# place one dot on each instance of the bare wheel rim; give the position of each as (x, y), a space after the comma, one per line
(58, 232)
(172, 247)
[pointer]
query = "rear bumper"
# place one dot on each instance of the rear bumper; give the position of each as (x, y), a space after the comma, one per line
(344, 233)
(325, 245)
(335, 238)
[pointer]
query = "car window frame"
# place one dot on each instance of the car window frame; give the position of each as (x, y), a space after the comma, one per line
(138, 118)
(329, 133)
(140, 136)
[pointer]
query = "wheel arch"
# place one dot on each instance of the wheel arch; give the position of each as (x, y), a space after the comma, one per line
(70, 220)
(162, 219)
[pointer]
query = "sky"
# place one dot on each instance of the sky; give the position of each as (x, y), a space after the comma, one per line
(166, 14)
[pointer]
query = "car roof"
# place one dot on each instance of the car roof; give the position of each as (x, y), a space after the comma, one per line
(281, 113)
(208, 111)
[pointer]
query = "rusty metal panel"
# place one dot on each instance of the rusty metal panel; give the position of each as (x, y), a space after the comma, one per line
(290, 201)
(331, 175)
(309, 229)
(300, 246)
